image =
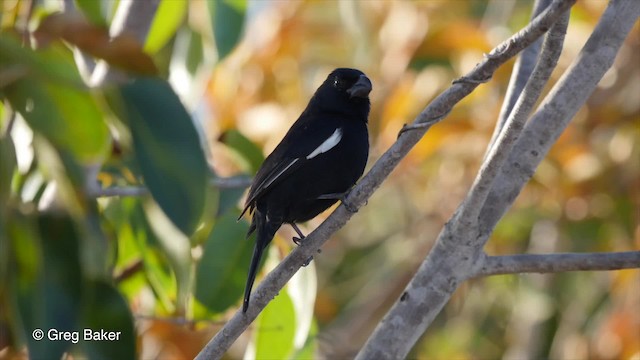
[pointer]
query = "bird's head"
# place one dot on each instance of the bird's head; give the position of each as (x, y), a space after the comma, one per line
(345, 91)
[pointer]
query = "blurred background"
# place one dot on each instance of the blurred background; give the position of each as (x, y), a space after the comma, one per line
(584, 197)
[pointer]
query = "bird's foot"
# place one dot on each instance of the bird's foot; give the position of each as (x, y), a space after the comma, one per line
(297, 239)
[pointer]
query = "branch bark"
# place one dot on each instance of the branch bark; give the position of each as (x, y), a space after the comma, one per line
(275, 280)
(457, 252)
(522, 70)
(471, 207)
(558, 108)
(552, 263)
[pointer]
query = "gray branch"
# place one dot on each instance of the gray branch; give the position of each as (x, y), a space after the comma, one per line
(276, 280)
(522, 70)
(558, 108)
(514, 124)
(552, 263)
(458, 251)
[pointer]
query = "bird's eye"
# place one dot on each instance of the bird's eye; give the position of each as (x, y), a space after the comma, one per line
(338, 83)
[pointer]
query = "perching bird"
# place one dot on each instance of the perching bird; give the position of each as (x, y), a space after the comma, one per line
(319, 159)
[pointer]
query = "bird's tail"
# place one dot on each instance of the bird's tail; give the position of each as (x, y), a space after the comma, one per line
(266, 231)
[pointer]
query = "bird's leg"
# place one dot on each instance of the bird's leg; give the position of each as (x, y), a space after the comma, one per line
(297, 240)
(342, 197)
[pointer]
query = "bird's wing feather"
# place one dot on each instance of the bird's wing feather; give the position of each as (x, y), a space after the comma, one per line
(280, 165)
(262, 184)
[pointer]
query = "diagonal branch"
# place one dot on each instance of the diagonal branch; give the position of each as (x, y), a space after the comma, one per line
(276, 280)
(552, 263)
(558, 108)
(456, 255)
(522, 70)
(499, 152)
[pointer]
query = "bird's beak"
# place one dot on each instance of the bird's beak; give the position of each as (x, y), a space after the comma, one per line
(360, 89)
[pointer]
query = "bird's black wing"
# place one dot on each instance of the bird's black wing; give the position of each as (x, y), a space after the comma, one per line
(263, 182)
(288, 157)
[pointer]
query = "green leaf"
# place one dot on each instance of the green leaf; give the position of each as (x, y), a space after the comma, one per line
(243, 146)
(128, 217)
(167, 149)
(55, 105)
(303, 288)
(275, 328)
(227, 21)
(228, 200)
(92, 9)
(106, 313)
(54, 63)
(176, 247)
(165, 23)
(7, 167)
(67, 117)
(51, 300)
(309, 348)
(195, 53)
(221, 272)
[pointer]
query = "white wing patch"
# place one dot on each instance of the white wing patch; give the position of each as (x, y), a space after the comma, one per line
(328, 144)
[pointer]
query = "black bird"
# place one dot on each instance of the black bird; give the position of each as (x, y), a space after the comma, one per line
(319, 159)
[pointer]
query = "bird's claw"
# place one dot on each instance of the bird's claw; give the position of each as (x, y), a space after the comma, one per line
(298, 240)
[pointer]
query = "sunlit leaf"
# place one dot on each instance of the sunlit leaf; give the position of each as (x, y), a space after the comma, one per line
(221, 275)
(7, 166)
(176, 247)
(275, 329)
(309, 348)
(195, 54)
(227, 19)
(302, 289)
(168, 150)
(166, 21)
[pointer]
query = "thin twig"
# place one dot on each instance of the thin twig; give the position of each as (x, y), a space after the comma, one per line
(177, 320)
(233, 182)
(513, 126)
(129, 271)
(553, 263)
(522, 70)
